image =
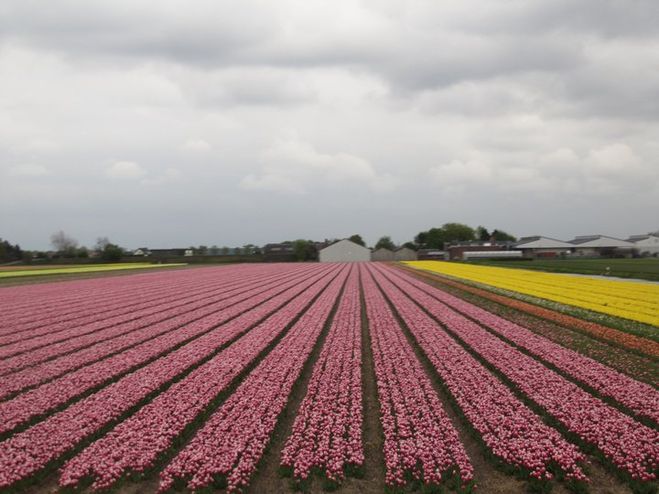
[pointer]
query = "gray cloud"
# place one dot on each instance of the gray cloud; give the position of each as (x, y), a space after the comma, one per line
(162, 123)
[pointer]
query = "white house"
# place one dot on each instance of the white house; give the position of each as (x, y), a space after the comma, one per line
(344, 251)
(646, 245)
(405, 254)
(539, 246)
(601, 245)
(382, 254)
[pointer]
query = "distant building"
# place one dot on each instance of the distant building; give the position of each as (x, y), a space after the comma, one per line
(382, 254)
(543, 247)
(405, 254)
(344, 251)
(645, 245)
(492, 254)
(142, 251)
(431, 255)
(457, 250)
(601, 246)
(283, 252)
(170, 252)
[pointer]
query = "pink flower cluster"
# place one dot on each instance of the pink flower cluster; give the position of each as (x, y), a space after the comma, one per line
(150, 330)
(327, 433)
(419, 438)
(637, 396)
(49, 395)
(61, 306)
(27, 452)
(513, 433)
(56, 324)
(136, 443)
(233, 440)
(628, 444)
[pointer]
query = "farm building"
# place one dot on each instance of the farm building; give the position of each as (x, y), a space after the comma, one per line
(344, 251)
(492, 254)
(539, 246)
(431, 254)
(645, 245)
(457, 251)
(382, 254)
(405, 254)
(278, 252)
(160, 253)
(601, 246)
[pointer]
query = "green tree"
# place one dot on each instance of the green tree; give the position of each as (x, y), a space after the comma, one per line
(304, 250)
(410, 245)
(482, 234)
(501, 236)
(431, 239)
(385, 243)
(112, 252)
(438, 238)
(82, 252)
(357, 239)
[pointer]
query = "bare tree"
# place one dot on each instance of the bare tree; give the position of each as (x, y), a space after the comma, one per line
(62, 242)
(101, 243)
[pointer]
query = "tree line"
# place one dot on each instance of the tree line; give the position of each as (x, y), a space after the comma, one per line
(440, 237)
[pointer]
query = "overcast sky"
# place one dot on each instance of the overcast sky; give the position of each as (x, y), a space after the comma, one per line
(174, 123)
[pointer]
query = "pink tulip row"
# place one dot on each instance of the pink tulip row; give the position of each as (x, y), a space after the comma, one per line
(90, 367)
(327, 433)
(53, 315)
(27, 452)
(140, 328)
(637, 396)
(105, 313)
(511, 431)
(61, 296)
(135, 444)
(210, 332)
(113, 294)
(419, 438)
(628, 444)
(233, 440)
(82, 298)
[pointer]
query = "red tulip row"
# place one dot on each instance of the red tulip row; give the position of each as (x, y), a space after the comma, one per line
(628, 444)
(327, 433)
(210, 332)
(511, 431)
(67, 355)
(135, 444)
(419, 438)
(79, 299)
(90, 321)
(234, 438)
(638, 397)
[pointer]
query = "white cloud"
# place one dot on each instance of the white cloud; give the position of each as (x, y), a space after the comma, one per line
(169, 175)
(459, 172)
(196, 145)
(125, 170)
(28, 170)
(292, 165)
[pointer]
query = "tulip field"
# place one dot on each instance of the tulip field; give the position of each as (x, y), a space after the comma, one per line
(624, 299)
(313, 377)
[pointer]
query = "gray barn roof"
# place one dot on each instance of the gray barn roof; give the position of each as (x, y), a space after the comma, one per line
(599, 241)
(540, 242)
